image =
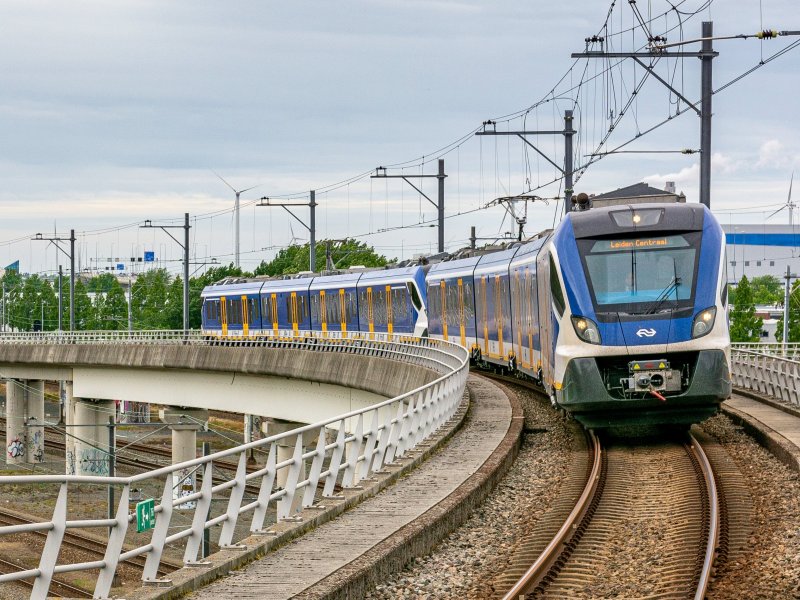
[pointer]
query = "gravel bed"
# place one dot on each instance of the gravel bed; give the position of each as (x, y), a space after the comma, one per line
(465, 564)
(770, 566)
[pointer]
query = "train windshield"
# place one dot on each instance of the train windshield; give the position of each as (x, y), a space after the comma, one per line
(642, 275)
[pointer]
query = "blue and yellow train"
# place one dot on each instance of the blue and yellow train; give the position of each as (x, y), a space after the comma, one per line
(620, 313)
(381, 304)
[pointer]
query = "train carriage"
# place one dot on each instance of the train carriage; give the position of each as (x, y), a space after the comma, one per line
(232, 310)
(493, 307)
(525, 309)
(286, 300)
(451, 301)
(390, 302)
(641, 334)
(334, 304)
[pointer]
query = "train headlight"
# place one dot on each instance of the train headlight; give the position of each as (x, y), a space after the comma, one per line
(703, 322)
(586, 329)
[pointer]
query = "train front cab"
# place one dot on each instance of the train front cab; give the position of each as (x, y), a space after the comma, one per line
(664, 359)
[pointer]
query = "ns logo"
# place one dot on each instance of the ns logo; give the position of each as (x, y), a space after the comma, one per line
(646, 333)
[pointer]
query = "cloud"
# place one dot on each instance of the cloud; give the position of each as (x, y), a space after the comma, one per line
(770, 154)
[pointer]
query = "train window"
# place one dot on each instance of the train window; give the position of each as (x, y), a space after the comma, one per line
(555, 288)
(453, 312)
(469, 301)
(399, 304)
(234, 310)
(379, 314)
(302, 312)
(252, 309)
(415, 299)
(363, 308)
(289, 312)
(723, 292)
(315, 307)
(266, 308)
(350, 305)
(332, 309)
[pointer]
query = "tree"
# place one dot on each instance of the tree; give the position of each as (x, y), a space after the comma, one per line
(149, 299)
(173, 312)
(794, 316)
(110, 304)
(344, 254)
(767, 289)
(745, 326)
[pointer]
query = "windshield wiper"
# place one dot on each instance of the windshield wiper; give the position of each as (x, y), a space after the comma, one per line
(665, 293)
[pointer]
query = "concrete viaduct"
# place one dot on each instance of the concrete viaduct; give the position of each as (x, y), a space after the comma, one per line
(289, 386)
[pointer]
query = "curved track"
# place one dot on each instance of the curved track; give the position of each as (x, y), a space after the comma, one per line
(637, 520)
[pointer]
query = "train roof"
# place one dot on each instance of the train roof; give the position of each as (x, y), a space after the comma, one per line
(390, 275)
(617, 219)
(452, 268)
(335, 281)
(252, 286)
(287, 285)
(495, 261)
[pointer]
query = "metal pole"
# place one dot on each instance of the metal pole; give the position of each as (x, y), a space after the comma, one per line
(60, 297)
(206, 546)
(472, 237)
(312, 247)
(786, 296)
(568, 133)
(186, 276)
(130, 304)
(705, 114)
(112, 443)
(440, 207)
(236, 225)
(72, 280)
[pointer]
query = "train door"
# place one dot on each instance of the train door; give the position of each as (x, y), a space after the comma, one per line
(462, 329)
(245, 319)
(223, 316)
(293, 314)
(442, 291)
(389, 316)
(498, 313)
(483, 321)
(323, 314)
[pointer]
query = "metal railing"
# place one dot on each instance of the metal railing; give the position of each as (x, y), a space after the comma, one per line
(348, 448)
(763, 369)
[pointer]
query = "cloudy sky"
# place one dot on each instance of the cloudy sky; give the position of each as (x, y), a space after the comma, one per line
(113, 113)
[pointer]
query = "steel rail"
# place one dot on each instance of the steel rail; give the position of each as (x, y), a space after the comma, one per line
(57, 586)
(86, 544)
(548, 557)
(707, 569)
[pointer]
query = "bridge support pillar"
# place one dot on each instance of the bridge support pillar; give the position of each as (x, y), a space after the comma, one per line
(34, 452)
(285, 451)
(91, 436)
(184, 423)
(16, 440)
(69, 419)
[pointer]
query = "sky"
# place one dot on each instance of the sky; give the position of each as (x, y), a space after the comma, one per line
(114, 113)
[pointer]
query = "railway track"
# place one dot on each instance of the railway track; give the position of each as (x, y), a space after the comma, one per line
(88, 544)
(632, 493)
(58, 588)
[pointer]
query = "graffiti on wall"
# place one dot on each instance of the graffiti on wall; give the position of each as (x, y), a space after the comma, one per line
(71, 463)
(36, 445)
(93, 462)
(15, 448)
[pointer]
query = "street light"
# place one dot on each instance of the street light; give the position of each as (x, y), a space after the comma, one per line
(185, 245)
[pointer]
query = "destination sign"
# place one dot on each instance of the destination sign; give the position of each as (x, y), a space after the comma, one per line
(648, 243)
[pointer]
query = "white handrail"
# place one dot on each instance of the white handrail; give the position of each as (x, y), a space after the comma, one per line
(381, 433)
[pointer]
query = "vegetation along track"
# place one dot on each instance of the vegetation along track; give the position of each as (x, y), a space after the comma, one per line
(636, 528)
